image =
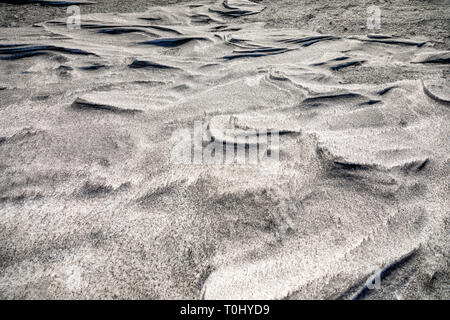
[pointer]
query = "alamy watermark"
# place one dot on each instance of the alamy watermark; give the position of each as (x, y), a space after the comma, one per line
(74, 20)
(205, 145)
(373, 18)
(374, 281)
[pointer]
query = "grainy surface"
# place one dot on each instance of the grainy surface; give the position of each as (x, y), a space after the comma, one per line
(97, 200)
(19, 14)
(429, 18)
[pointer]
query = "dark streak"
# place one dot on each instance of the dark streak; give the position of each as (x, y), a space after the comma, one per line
(171, 42)
(386, 272)
(347, 64)
(385, 90)
(147, 64)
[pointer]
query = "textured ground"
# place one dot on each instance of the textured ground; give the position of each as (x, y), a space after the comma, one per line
(95, 201)
(404, 18)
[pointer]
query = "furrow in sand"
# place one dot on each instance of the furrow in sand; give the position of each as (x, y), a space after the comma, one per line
(437, 91)
(83, 104)
(385, 272)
